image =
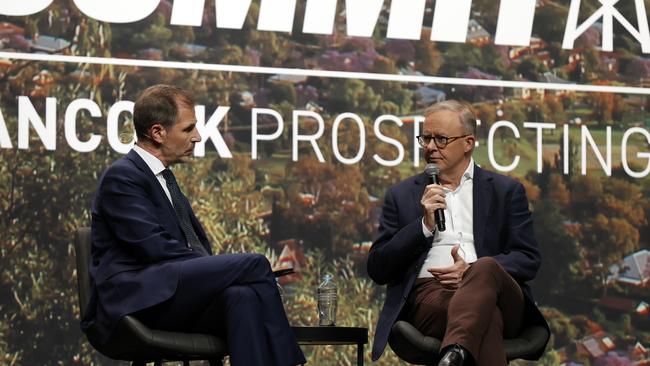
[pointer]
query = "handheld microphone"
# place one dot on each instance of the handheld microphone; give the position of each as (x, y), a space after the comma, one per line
(432, 171)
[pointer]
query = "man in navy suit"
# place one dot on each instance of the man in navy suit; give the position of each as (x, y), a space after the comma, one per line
(151, 257)
(467, 284)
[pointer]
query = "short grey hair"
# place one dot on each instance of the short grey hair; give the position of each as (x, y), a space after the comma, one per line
(465, 112)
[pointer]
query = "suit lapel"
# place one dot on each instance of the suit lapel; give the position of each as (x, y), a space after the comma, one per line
(157, 188)
(420, 183)
(482, 192)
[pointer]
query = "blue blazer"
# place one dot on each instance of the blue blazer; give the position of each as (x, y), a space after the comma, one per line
(138, 245)
(503, 229)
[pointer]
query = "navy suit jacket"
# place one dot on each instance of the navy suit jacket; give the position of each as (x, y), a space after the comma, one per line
(138, 245)
(503, 229)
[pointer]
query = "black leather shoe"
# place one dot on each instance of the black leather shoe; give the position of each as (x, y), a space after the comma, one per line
(455, 355)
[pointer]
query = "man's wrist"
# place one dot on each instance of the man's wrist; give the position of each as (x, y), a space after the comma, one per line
(426, 231)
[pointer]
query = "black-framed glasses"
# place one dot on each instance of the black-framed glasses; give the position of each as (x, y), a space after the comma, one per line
(440, 141)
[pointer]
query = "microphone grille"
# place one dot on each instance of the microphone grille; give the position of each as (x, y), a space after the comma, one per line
(431, 170)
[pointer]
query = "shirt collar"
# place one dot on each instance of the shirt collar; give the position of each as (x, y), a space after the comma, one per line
(467, 175)
(469, 172)
(152, 162)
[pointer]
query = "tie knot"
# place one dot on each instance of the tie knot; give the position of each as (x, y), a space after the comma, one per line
(168, 175)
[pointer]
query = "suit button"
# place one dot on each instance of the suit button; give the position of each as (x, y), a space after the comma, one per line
(404, 297)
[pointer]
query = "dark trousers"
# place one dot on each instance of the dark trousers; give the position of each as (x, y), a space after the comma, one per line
(487, 307)
(234, 296)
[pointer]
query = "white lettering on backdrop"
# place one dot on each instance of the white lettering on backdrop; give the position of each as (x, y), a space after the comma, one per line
(405, 18)
(310, 127)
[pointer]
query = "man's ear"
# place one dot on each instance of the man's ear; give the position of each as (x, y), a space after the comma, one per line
(470, 142)
(157, 133)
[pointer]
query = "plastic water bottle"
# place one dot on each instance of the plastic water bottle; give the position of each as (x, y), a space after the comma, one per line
(327, 302)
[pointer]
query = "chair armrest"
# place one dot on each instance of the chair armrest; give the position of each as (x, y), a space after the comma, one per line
(411, 345)
(283, 272)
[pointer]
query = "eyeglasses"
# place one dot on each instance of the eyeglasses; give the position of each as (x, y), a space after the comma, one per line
(440, 141)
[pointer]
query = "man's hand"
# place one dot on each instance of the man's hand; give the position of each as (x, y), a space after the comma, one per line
(432, 199)
(450, 277)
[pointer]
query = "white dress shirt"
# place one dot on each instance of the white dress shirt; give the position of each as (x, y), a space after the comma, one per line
(156, 167)
(459, 222)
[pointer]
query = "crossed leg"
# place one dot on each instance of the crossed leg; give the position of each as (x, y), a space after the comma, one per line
(231, 295)
(487, 306)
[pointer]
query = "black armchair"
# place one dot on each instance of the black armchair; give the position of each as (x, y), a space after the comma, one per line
(413, 347)
(132, 340)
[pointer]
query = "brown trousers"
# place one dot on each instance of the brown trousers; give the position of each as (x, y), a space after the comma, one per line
(487, 307)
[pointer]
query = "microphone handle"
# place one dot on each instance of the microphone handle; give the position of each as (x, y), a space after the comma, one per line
(439, 214)
(440, 219)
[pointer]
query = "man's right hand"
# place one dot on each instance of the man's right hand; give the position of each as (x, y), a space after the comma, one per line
(451, 276)
(432, 199)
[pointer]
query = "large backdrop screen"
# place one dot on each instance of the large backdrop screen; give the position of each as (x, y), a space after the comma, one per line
(307, 112)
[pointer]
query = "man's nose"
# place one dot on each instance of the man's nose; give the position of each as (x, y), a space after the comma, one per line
(432, 145)
(196, 137)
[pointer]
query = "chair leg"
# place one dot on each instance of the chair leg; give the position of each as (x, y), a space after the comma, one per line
(158, 363)
(139, 363)
(216, 362)
(186, 363)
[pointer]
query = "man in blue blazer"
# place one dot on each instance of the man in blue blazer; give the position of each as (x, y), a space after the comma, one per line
(467, 284)
(151, 257)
